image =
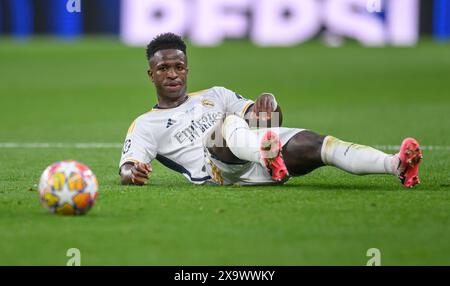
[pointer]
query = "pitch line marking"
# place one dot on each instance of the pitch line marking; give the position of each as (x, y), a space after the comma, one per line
(424, 147)
(48, 145)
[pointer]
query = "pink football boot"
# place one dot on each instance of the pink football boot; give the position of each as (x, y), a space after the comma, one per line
(410, 157)
(271, 156)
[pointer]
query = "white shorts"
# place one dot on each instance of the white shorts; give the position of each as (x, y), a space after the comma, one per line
(250, 173)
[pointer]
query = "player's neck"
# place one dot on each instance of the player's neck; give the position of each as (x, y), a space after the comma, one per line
(164, 103)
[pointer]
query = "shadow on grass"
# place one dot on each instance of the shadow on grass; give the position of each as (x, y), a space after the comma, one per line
(346, 187)
(290, 185)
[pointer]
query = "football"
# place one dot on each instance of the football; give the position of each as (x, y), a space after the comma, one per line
(68, 188)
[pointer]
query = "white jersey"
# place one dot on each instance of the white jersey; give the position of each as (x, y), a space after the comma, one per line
(175, 136)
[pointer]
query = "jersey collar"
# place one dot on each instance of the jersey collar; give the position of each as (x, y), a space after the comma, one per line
(157, 107)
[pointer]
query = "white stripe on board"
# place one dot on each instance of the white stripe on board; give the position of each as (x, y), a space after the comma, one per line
(47, 145)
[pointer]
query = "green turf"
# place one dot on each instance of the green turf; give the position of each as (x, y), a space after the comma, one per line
(90, 91)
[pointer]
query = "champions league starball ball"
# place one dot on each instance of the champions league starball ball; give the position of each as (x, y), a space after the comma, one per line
(68, 188)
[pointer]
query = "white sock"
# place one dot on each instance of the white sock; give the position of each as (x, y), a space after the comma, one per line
(357, 159)
(242, 142)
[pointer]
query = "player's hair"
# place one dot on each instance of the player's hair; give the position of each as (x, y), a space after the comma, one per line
(163, 42)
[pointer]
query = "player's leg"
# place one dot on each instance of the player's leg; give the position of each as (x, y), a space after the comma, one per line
(299, 156)
(360, 160)
(302, 153)
(262, 146)
(307, 151)
(217, 146)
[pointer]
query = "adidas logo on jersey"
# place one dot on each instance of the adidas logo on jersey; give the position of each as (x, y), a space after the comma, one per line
(170, 122)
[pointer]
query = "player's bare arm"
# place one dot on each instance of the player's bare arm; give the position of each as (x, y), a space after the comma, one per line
(135, 173)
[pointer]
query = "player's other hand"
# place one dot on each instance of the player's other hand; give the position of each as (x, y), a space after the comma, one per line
(264, 105)
(140, 173)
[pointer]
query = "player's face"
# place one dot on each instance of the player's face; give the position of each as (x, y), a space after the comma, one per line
(168, 71)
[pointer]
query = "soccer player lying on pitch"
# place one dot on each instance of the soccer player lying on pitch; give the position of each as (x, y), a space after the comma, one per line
(206, 135)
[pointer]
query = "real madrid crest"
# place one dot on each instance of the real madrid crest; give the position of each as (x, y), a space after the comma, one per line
(206, 102)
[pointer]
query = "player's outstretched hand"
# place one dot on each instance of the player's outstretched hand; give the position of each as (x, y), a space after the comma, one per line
(140, 173)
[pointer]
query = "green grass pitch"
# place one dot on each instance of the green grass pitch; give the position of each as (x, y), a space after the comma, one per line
(90, 91)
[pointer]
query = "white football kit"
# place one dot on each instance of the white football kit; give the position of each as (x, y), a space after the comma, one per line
(176, 138)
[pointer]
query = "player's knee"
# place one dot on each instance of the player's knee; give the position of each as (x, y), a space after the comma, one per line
(307, 144)
(302, 152)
